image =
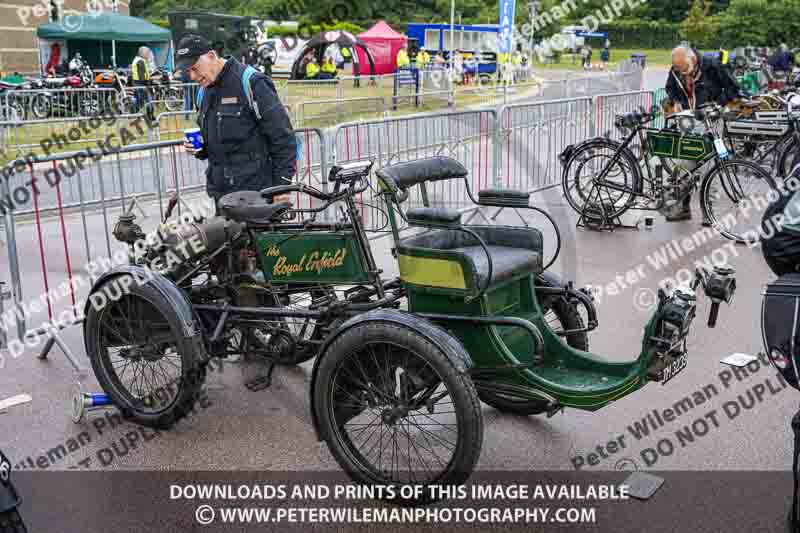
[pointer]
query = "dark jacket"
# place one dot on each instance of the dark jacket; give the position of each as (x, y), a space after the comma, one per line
(245, 153)
(716, 84)
(781, 61)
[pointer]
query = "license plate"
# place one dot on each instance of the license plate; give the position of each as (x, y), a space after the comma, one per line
(674, 368)
(5, 469)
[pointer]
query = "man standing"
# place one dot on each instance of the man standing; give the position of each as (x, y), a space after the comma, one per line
(403, 61)
(605, 57)
(248, 137)
(140, 72)
(692, 82)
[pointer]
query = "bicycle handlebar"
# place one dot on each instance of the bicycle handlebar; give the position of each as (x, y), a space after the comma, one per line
(271, 192)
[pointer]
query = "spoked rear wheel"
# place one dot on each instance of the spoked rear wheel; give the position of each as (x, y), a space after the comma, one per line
(581, 181)
(140, 357)
(394, 409)
(734, 195)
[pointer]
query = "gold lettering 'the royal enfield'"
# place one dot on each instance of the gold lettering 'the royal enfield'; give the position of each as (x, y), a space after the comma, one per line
(313, 262)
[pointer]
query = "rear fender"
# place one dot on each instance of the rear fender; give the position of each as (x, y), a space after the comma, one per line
(191, 330)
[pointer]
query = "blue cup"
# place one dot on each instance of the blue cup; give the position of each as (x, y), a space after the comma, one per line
(194, 137)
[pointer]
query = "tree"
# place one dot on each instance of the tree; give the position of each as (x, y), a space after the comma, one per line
(699, 28)
(759, 23)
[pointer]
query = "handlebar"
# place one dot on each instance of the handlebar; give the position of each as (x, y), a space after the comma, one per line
(271, 192)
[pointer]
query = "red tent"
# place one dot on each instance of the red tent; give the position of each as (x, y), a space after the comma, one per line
(383, 43)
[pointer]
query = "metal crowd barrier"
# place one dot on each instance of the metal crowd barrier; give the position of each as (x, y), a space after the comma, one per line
(465, 136)
(51, 239)
(531, 136)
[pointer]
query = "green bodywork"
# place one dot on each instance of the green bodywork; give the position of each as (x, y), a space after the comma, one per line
(316, 257)
(575, 379)
(749, 83)
(677, 145)
(571, 377)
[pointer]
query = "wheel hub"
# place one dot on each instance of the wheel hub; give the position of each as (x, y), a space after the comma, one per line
(391, 415)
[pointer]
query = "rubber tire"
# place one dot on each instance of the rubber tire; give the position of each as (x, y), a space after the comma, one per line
(594, 144)
(570, 318)
(41, 107)
(173, 99)
(787, 158)
(193, 372)
(459, 384)
(706, 187)
(11, 522)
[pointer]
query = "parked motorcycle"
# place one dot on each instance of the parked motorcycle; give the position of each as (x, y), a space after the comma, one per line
(122, 100)
(55, 98)
(10, 519)
(12, 107)
(163, 90)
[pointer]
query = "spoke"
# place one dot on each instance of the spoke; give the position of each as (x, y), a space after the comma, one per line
(436, 423)
(444, 442)
(376, 421)
(430, 447)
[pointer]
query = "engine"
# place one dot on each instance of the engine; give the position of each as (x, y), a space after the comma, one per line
(175, 249)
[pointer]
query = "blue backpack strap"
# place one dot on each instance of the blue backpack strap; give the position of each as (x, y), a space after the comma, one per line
(248, 90)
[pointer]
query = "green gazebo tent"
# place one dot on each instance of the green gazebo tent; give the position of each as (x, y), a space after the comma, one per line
(105, 38)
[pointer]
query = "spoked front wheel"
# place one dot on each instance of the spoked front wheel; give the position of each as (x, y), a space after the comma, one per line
(734, 195)
(395, 410)
(140, 356)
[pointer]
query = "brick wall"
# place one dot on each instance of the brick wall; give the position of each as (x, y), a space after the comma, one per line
(18, 22)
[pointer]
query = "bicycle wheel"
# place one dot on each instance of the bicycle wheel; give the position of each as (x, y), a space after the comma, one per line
(581, 184)
(733, 197)
(173, 99)
(394, 409)
(787, 159)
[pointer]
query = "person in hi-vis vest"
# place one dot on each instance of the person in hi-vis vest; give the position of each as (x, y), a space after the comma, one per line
(140, 74)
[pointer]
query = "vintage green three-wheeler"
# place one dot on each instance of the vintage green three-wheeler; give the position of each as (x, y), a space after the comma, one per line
(401, 362)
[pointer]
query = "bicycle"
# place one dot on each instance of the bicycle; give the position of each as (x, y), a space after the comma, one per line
(616, 179)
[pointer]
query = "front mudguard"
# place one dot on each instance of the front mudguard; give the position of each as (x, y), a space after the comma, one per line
(9, 499)
(192, 332)
(448, 344)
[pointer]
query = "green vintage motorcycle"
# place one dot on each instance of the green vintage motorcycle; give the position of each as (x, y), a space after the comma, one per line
(401, 362)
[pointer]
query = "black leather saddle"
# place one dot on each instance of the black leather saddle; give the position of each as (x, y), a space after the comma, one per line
(249, 207)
